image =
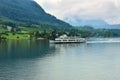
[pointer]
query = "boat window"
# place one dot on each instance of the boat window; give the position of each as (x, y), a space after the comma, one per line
(64, 40)
(58, 40)
(71, 40)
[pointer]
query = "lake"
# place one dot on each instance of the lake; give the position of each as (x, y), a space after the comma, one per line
(39, 60)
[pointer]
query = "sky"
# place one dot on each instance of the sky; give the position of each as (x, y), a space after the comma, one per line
(72, 10)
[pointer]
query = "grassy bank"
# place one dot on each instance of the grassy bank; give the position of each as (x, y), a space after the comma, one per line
(15, 36)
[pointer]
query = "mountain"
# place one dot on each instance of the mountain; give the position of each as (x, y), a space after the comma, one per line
(115, 26)
(95, 23)
(27, 11)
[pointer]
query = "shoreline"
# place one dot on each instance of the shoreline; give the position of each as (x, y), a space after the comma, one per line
(23, 39)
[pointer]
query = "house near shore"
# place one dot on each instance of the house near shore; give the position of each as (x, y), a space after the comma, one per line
(9, 28)
(24, 31)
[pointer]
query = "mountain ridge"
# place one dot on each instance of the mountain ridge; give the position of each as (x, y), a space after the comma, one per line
(95, 23)
(27, 11)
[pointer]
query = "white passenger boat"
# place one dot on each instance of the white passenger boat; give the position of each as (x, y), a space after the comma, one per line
(66, 39)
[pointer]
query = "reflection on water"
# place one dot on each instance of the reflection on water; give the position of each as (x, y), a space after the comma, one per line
(39, 60)
(103, 40)
(24, 49)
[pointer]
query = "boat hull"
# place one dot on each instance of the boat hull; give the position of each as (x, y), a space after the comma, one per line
(63, 42)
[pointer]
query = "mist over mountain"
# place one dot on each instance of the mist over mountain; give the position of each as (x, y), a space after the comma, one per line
(95, 23)
(27, 11)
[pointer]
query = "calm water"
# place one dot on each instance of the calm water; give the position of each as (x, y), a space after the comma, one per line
(39, 60)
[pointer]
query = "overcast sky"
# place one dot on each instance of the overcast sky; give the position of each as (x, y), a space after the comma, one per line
(108, 10)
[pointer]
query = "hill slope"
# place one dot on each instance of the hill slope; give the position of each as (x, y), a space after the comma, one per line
(95, 23)
(27, 11)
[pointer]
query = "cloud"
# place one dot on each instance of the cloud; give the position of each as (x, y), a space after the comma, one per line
(107, 10)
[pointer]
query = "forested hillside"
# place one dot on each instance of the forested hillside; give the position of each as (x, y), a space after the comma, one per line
(28, 12)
